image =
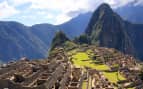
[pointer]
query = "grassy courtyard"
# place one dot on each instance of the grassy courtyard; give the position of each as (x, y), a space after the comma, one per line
(84, 85)
(82, 59)
(113, 76)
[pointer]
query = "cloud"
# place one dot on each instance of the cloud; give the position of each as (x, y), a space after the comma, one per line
(138, 2)
(62, 18)
(59, 10)
(7, 10)
(18, 2)
(50, 16)
(119, 3)
(67, 8)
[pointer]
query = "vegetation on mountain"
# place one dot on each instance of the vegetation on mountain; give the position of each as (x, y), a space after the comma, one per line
(17, 40)
(59, 40)
(106, 29)
(82, 39)
(141, 75)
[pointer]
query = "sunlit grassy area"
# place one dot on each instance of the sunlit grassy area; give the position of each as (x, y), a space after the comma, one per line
(84, 85)
(82, 59)
(113, 76)
(131, 88)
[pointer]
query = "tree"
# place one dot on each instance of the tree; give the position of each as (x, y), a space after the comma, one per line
(141, 75)
(82, 39)
(59, 39)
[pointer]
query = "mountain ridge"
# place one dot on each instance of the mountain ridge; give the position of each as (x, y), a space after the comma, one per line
(42, 34)
(19, 42)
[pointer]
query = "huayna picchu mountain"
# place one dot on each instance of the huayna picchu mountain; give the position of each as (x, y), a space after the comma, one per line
(108, 29)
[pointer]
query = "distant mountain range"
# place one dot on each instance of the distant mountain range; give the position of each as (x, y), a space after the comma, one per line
(18, 40)
(131, 12)
(76, 26)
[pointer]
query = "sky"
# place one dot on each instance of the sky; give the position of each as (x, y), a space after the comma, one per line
(30, 12)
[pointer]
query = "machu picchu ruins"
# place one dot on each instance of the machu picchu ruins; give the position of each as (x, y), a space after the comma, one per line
(71, 44)
(63, 70)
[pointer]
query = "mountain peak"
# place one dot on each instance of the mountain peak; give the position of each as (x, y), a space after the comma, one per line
(101, 13)
(106, 29)
(104, 7)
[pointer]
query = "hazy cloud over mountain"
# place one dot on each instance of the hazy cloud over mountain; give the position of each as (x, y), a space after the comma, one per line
(52, 11)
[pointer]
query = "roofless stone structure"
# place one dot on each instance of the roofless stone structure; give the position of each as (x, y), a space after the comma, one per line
(55, 73)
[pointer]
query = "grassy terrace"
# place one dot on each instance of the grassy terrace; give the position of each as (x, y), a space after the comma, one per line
(113, 76)
(84, 85)
(82, 59)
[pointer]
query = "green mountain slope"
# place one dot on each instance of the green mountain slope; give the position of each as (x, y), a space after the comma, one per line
(107, 29)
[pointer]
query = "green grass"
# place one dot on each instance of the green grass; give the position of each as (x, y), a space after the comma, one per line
(131, 88)
(113, 76)
(89, 83)
(84, 85)
(82, 59)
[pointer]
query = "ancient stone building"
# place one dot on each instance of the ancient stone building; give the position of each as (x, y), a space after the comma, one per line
(53, 73)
